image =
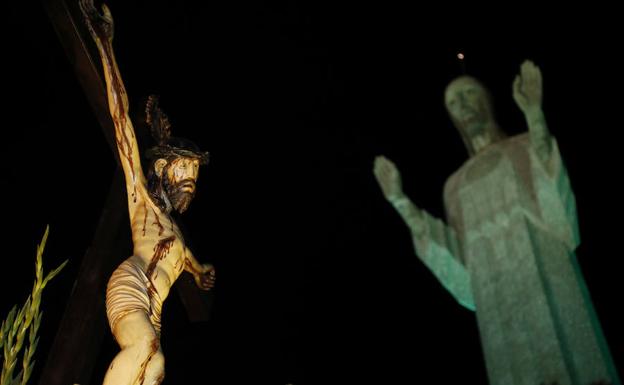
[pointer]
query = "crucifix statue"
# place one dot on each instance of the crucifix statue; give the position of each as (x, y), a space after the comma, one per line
(137, 288)
(507, 248)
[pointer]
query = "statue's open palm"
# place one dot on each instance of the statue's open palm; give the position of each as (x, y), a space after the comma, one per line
(527, 87)
(388, 177)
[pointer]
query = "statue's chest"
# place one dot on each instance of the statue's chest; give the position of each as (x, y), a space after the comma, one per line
(148, 221)
(487, 166)
(488, 189)
(488, 177)
(156, 235)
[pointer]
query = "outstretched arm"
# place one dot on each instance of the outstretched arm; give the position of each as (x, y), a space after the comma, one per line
(101, 28)
(527, 92)
(559, 209)
(389, 180)
(204, 274)
(435, 243)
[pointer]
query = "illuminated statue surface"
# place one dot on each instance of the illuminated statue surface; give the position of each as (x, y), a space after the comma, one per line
(138, 287)
(507, 247)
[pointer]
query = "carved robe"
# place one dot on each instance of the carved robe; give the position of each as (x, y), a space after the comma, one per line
(508, 253)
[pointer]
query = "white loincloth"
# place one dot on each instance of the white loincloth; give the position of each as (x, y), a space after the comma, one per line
(127, 292)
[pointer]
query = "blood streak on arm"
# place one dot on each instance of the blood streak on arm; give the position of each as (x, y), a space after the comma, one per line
(118, 105)
(189, 266)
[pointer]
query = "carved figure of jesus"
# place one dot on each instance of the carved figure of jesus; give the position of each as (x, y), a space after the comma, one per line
(137, 288)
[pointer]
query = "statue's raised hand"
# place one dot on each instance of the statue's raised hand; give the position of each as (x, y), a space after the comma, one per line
(388, 177)
(527, 88)
(100, 25)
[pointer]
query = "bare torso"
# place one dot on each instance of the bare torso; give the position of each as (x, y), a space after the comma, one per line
(159, 246)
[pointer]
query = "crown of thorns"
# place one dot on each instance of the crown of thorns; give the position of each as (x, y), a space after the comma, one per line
(167, 145)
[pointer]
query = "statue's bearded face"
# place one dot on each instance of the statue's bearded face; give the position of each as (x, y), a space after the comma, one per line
(468, 105)
(179, 179)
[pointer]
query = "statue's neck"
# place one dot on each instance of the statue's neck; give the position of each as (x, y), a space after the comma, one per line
(481, 141)
(484, 136)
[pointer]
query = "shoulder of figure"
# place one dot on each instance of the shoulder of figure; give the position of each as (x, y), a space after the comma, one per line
(521, 139)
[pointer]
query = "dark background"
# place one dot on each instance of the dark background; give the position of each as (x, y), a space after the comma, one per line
(317, 280)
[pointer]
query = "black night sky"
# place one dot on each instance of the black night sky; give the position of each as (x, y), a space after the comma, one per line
(317, 280)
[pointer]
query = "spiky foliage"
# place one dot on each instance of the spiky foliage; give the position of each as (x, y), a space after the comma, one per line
(23, 323)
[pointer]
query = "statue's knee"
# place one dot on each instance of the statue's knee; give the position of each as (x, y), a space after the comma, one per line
(158, 361)
(156, 369)
(145, 349)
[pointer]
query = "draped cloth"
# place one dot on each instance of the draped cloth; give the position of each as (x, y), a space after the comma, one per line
(127, 292)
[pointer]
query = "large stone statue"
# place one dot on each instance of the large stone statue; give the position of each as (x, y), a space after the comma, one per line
(507, 247)
(137, 288)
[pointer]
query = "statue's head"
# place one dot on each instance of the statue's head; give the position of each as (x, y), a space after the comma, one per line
(471, 110)
(174, 161)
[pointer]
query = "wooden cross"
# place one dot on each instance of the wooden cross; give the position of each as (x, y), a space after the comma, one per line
(77, 343)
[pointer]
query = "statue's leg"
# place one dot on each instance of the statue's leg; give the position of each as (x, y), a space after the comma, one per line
(155, 371)
(140, 360)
